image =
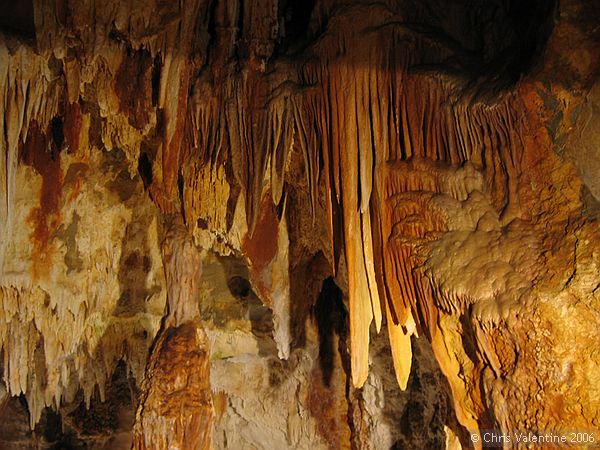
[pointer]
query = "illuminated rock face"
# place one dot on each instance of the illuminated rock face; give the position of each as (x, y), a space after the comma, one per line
(339, 170)
(175, 409)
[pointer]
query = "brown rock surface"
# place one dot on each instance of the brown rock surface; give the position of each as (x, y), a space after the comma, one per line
(175, 408)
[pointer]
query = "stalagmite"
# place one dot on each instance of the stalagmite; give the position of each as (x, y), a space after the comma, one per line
(175, 409)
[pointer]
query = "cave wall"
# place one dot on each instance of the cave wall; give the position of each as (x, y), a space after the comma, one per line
(436, 161)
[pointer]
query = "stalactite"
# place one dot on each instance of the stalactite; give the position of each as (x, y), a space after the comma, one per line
(280, 293)
(399, 158)
(261, 124)
(173, 96)
(5, 203)
(32, 335)
(361, 310)
(281, 140)
(369, 259)
(309, 144)
(423, 129)
(42, 360)
(399, 336)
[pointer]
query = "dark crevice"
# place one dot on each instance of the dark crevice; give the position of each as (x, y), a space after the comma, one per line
(145, 169)
(180, 188)
(493, 43)
(211, 31)
(330, 315)
(17, 17)
(295, 17)
(240, 48)
(58, 136)
(239, 287)
(156, 69)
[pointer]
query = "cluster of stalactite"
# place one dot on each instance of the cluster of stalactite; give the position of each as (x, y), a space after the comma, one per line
(368, 129)
(352, 115)
(193, 95)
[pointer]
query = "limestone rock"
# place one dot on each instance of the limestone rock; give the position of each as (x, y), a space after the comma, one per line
(175, 408)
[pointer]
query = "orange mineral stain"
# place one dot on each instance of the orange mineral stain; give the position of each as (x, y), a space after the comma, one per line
(43, 156)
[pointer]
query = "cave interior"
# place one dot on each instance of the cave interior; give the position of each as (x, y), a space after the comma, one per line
(299, 224)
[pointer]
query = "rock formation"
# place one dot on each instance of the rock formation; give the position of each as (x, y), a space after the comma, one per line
(175, 409)
(394, 205)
